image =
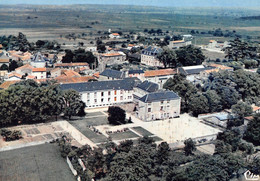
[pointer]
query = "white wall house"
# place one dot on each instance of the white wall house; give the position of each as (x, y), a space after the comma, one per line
(149, 57)
(39, 73)
(114, 35)
(104, 93)
(159, 76)
(158, 105)
(179, 43)
(110, 59)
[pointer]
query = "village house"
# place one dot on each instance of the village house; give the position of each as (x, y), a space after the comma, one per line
(110, 74)
(39, 73)
(213, 44)
(72, 66)
(24, 70)
(39, 61)
(104, 93)
(256, 109)
(25, 57)
(136, 73)
(3, 74)
(14, 76)
(159, 76)
(69, 73)
(4, 58)
(109, 59)
(114, 35)
(178, 44)
(159, 105)
(55, 72)
(91, 49)
(193, 73)
(149, 57)
(144, 88)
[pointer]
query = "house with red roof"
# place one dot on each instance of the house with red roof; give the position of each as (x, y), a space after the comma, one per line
(39, 73)
(114, 35)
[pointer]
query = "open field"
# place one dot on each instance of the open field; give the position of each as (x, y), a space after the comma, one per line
(36, 163)
(49, 22)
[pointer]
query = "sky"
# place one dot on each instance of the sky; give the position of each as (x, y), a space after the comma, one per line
(164, 3)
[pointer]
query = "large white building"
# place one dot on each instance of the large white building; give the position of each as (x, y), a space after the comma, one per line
(149, 57)
(104, 93)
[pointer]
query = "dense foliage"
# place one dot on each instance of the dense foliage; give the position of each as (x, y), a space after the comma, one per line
(147, 161)
(79, 55)
(253, 131)
(185, 56)
(29, 102)
(116, 115)
(221, 90)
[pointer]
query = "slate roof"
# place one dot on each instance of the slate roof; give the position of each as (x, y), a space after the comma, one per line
(125, 84)
(151, 51)
(194, 71)
(113, 73)
(135, 72)
(148, 86)
(159, 96)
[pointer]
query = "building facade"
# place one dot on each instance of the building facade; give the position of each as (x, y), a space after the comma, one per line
(158, 105)
(104, 93)
(149, 57)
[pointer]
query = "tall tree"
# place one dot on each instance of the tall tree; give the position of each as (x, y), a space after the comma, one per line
(71, 102)
(168, 58)
(189, 146)
(252, 133)
(189, 55)
(116, 115)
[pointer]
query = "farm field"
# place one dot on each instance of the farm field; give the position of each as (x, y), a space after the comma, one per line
(52, 22)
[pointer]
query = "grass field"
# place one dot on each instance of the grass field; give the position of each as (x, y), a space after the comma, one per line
(49, 22)
(36, 163)
(124, 135)
(142, 131)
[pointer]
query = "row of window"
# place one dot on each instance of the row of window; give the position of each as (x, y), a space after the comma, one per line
(109, 93)
(161, 108)
(109, 99)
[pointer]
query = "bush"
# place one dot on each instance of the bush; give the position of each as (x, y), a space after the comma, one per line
(9, 135)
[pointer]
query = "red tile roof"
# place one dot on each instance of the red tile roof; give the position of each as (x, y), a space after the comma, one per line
(255, 108)
(15, 75)
(70, 73)
(39, 69)
(115, 34)
(30, 77)
(6, 84)
(26, 66)
(4, 60)
(153, 73)
(178, 41)
(111, 54)
(71, 64)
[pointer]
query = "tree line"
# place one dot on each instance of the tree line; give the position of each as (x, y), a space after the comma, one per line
(184, 56)
(221, 90)
(147, 161)
(28, 102)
